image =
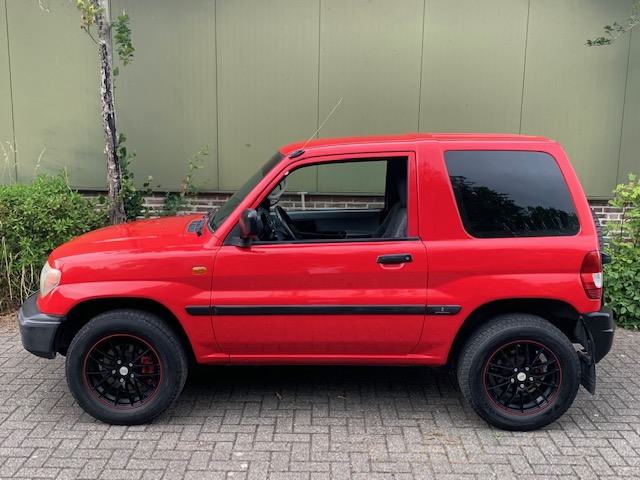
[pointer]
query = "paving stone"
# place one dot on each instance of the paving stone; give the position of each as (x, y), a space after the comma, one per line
(314, 423)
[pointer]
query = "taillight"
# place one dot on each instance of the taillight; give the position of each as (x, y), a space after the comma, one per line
(591, 275)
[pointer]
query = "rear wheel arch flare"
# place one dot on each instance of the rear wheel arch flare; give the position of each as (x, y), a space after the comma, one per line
(558, 313)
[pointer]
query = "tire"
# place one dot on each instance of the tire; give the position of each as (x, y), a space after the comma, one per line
(598, 225)
(519, 372)
(606, 258)
(125, 367)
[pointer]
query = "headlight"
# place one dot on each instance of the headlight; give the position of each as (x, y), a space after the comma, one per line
(49, 279)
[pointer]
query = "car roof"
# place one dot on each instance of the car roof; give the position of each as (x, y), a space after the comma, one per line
(413, 137)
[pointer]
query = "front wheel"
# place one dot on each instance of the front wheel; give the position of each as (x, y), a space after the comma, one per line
(125, 367)
(519, 372)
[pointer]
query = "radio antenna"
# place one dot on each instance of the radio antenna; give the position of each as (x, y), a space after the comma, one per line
(322, 125)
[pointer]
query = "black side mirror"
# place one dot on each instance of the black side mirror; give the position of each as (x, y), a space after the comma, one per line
(248, 226)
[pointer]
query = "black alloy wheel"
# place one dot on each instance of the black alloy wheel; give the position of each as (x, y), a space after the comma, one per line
(522, 377)
(519, 372)
(126, 367)
(123, 371)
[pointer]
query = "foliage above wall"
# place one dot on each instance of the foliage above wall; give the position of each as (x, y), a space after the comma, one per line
(616, 30)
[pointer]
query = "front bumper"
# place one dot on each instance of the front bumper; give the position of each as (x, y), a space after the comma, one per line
(38, 330)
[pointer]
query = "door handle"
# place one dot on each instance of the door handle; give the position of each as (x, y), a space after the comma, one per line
(394, 259)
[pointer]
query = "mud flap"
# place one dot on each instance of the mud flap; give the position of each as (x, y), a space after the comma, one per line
(587, 357)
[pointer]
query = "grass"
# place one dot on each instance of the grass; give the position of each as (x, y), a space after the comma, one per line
(28, 277)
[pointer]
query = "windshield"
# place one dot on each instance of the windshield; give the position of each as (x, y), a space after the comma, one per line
(235, 199)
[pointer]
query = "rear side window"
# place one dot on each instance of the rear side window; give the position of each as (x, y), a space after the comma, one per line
(511, 194)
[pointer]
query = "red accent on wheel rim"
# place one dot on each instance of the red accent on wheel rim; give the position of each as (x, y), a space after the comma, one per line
(122, 371)
(522, 377)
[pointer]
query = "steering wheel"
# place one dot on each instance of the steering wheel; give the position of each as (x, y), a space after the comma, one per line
(286, 222)
(268, 225)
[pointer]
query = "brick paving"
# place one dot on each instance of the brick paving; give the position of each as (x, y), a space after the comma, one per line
(313, 423)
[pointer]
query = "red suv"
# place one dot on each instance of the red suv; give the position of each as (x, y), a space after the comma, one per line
(474, 252)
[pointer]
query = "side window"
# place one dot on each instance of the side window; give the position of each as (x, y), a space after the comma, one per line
(338, 201)
(511, 194)
(332, 186)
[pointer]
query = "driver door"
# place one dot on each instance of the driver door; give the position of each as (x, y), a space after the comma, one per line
(324, 297)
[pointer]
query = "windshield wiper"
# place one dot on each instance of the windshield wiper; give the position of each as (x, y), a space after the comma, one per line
(205, 219)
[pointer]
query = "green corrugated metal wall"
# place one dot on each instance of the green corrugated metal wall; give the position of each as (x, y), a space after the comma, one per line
(7, 158)
(247, 76)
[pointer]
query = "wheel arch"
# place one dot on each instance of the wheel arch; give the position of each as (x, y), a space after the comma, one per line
(558, 313)
(83, 312)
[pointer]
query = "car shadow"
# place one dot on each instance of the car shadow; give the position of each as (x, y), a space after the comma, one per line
(303, 385)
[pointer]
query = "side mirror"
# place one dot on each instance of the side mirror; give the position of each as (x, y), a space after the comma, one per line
(248, 226)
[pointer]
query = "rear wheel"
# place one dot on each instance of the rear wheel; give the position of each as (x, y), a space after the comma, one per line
(125, 367)
(519, 372)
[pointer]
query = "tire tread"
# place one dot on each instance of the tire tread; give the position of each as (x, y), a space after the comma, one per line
(146, 320)
(484, 334)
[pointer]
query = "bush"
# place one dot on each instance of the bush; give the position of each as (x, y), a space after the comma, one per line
(34, 219)
(132, 197)
(622, 276)
(174, 203)
(177, 202)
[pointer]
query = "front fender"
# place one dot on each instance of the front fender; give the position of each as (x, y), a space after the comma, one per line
(172, 296)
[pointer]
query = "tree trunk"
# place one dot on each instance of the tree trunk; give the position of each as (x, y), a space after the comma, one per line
(114, 178)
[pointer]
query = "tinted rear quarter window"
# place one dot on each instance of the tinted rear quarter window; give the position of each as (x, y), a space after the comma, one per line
(511, 194)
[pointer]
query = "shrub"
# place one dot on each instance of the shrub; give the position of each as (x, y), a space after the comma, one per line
(175, 203)
(622, 276)
(132, 197)
(34, 219)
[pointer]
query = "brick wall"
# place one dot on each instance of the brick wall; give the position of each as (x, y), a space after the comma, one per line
(605, 212)
(206, 201)
(199, 204)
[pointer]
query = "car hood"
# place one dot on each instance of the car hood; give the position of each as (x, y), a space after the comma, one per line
(130, 238)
